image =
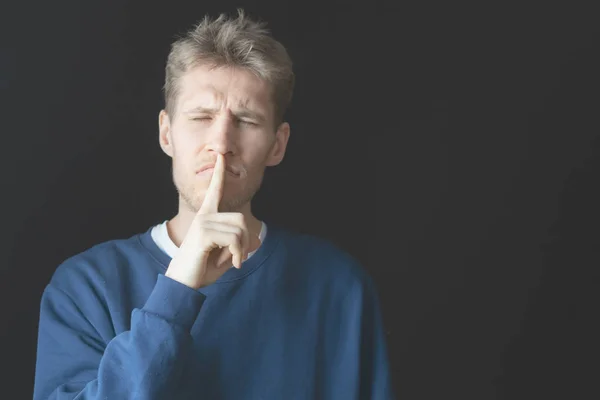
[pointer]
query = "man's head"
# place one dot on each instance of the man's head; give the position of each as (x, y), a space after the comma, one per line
(228, 84)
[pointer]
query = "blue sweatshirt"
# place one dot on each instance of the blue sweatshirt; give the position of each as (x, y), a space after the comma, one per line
(299, 320)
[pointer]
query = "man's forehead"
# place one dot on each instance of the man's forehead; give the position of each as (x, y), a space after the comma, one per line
(208, 95)
(224, 79)
(240, 91)
(213, 98)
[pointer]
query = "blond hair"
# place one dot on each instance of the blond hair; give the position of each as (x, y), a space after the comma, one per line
(227, 42)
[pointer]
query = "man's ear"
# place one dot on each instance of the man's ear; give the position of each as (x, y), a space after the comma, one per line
(282, 135)
(164, 133)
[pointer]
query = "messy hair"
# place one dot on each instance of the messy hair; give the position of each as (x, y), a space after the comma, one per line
(228, 42)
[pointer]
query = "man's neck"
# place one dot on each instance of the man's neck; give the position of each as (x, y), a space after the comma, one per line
(178, 226)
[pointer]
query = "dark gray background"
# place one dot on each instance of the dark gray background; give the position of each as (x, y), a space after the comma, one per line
(452, 148)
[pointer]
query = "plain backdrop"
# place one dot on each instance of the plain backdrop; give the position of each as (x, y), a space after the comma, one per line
(452, 148)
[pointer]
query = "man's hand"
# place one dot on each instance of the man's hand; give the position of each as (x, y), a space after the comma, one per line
(214, 241)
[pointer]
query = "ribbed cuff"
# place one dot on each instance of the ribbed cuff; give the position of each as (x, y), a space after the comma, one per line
(174, 302)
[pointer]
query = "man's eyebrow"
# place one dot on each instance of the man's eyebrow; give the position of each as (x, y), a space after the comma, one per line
(240, 113)
(200, 109)
(246, 112)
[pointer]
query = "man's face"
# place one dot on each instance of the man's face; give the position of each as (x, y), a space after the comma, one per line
(228, 111)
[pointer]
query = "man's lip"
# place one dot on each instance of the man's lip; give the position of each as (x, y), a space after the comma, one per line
(205, 167)
(212, 166)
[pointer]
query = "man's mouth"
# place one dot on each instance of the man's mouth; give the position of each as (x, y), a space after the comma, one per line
(209, 168)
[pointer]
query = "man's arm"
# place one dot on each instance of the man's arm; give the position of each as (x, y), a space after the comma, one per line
(375, 368)
(356, 345)
(146, 362)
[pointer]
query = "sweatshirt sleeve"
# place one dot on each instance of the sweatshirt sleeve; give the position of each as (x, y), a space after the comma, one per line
(356, 345)
(375, 381)
(146, 362)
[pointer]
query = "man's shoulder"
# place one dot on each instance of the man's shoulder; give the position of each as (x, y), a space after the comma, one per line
(323, 256)
(98, 261)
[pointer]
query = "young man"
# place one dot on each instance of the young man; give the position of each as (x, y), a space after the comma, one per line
(213, 304)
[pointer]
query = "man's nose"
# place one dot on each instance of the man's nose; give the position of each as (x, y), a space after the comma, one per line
(222, 136)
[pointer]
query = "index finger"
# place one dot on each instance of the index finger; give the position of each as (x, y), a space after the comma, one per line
(213, 195)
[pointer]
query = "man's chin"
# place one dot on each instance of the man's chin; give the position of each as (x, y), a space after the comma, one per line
(226, 205)
(230, 202)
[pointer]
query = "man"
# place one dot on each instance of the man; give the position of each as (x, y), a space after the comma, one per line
(163, 314)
